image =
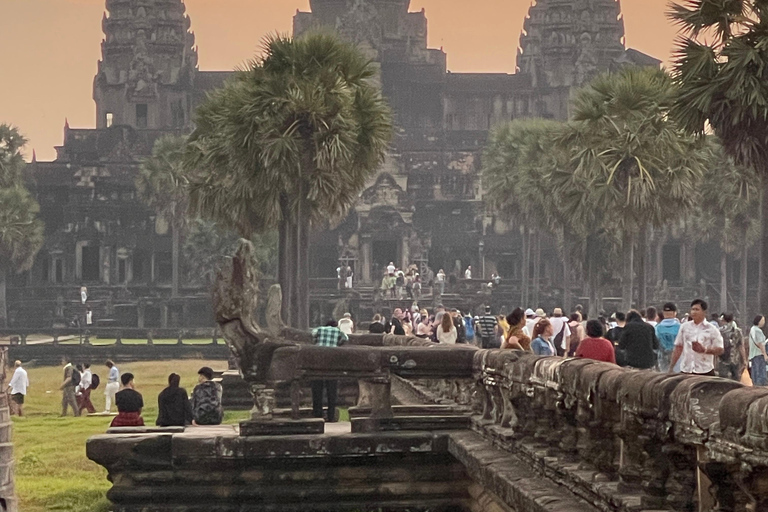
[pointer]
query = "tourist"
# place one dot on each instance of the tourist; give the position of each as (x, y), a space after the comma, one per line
(85, 387)
(446, 331)
(698, 343)
(112, 387)
(561, 329)
(346, 325)
(516, 339)
(327, 336)
(68, 387)
(88, 317)
(396, 323)
(440, 279)
(83, 295)
(173, 406)
(733, 362)
(18, 388)
(468, 273)
(206, 399)
(666, 331)
(651, 316)
(469, 329)
(577, 334)
(424, 328)
(542, 332)
(458, 323)
(638, 343)
(594, 346)
(350, 274)
(399, 284)
(757, 354)
(377, 325)
(407, 327)
(615, 333)
(530, 321)
(486, 329)
(129, 404)
(391, 269)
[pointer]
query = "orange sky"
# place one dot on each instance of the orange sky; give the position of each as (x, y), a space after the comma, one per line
(50, 47)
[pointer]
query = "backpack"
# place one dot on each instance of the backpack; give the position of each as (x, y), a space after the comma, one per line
(558, 340)
(75, 377)
(469, 328)
(207, 406)
(95, 381)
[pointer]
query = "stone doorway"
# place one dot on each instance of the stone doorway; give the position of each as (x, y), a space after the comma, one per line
(384, 252)
(91, 263)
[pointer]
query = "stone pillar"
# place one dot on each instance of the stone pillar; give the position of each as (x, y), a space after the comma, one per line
(365, 259)
(140, 312)
(164, 316)
(405, 253)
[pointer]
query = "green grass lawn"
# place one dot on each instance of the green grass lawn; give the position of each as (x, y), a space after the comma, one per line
(52, 471)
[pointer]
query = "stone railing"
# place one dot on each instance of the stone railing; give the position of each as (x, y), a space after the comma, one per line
(626, 439)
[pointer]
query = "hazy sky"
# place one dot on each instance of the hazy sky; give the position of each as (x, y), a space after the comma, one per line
(50, 47)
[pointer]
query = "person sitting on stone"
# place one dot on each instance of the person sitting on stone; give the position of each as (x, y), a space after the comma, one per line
(129, 404)
(206, 399)
(173, 407)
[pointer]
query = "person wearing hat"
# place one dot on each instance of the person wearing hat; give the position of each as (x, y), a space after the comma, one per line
(530, 321)
(560, 329)
(486, 329)
(666, 331)
(346, 325)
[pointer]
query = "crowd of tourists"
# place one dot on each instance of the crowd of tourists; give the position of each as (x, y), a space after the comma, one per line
(664, 339)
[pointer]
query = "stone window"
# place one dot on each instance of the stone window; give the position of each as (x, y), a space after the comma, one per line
(141, 115)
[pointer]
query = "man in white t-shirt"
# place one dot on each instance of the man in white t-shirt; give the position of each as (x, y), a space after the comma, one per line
(391, 269)
(697, 344)
(559, 324)
(468, 273)
(530, 322)
(18, 388)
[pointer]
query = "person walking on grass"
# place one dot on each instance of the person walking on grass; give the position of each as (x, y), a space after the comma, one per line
(206, 399)
(68, 388)
(18, 388)
(84, 389)
(112, 387)
(129, 404)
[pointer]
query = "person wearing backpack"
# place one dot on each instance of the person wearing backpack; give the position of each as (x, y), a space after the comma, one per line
(206, 399)
(561, 330)
(69, 387)
(577, 334)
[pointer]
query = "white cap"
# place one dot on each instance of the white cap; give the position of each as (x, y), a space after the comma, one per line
(530, 312)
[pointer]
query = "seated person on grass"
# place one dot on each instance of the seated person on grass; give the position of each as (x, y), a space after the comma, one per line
(174, 409)
(206, 399)
(129, 404)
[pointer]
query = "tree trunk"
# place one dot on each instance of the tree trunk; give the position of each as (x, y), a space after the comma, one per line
(566, 276)
(524, 270)
(593, 278)
(628, 272)
(743, 302)
(723, 281)
(659, 260)
(293, 269)
(537, 269)
(302, 274)
(3, 302)
(642, 267)
(284, 267)
(763, 286)
(175, 255)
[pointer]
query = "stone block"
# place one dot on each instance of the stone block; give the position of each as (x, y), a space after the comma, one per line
(425, 423)
(282, 427)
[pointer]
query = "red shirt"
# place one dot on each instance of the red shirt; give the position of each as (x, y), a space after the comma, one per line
(599, 349)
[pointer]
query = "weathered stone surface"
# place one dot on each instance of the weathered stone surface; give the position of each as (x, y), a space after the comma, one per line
(282, 427)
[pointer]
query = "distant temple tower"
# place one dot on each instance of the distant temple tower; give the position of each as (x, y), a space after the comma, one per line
(564, 44)
(148, 65)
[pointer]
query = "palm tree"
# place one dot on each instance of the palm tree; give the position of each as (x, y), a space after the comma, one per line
(21, 232)
(162, 184)
(518, 162)
(640, 167)
(719, 66)
(729, 203)
(288, 143)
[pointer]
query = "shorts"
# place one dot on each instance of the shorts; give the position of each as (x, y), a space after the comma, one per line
(18, 398)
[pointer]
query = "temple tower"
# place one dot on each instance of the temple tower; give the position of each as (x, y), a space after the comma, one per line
(148, 65)
(564, 44)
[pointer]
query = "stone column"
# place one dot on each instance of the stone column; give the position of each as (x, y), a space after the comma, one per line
(164, 316)
(405, 254)
(365, 259)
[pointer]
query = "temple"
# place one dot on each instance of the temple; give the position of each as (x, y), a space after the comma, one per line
(424, 206)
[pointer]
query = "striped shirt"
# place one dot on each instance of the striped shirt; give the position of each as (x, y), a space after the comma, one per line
(486, 326)
(328, 336)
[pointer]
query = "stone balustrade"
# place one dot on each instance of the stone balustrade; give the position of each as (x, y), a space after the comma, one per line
(626, 439)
